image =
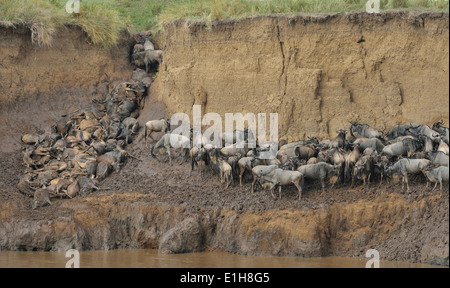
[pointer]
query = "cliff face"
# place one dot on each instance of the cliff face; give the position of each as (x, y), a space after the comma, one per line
(317, 72)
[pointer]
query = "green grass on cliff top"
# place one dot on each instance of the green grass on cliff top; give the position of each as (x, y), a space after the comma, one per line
(103, 20)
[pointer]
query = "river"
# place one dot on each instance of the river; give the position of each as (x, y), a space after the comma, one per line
(151, 259)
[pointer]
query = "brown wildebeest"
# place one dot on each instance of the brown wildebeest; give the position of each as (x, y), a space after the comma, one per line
(283, 178)
(226, 172)
(161, 125)
(41, 198)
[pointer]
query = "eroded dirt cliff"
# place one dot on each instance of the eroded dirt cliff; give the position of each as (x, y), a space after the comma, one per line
(317, 71)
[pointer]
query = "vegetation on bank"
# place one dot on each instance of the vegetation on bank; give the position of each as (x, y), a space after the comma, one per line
(103, 20)
(44, 17)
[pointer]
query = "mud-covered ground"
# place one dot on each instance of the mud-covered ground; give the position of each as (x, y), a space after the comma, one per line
(159, 184)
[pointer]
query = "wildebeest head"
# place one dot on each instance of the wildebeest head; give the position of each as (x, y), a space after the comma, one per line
(341, 134)
(412, 145)
(312, 140)
(438, 125)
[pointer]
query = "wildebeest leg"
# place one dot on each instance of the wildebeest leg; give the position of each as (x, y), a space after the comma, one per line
(299, 191)
(273, 195)
(228, 178)
(435, 186)
(322, 182)
(279, 190)
(240, 175)
(255, 178)
(407, 184)
(192, 164)
(186, 154)
(170, 157)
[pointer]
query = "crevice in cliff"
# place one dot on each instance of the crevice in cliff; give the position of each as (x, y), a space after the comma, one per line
(401, 93)
(283, 55)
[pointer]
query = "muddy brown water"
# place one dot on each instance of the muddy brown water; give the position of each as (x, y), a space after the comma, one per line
(151, 259)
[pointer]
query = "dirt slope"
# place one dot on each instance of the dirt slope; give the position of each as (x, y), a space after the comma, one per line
(317, 71)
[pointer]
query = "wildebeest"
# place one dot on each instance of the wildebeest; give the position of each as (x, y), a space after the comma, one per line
(162, 125)
(428, 145)
(259, 171)
(380, 165)
(400, 139)
(148, 45)
(321, 171)
(403, 167)
(400, 130)
(45, 177)
(202, 160)
(305, 152)
(438, 158)
(27, 186)
(30, 139)
(283, 178)
(373, 143)
(226, 173)
(424, 130)
(350, 161)
(339, 140)
(172, 140)
(126, 108)
(131, 124)
(152, 56)
(404, 148)
(41, 198)
(444, 131)
(363, 130)
(437, 176)
(113, 158)
(232, 150)
(73, 189)
(443, 147)
(244, 164)
(363, 170)
(87, 186)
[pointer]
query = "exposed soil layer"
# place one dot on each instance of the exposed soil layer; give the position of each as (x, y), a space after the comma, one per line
(141, 205)
(317, 71)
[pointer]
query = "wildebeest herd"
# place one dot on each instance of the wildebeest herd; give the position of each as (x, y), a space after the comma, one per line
(360, 155)
(83, 147)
